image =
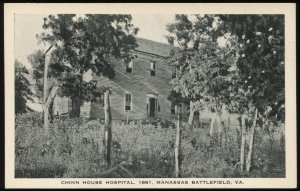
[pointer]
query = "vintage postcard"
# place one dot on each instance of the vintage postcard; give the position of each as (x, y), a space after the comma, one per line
(150, 95)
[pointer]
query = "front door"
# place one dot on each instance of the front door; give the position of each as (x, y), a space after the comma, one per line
(152, 107)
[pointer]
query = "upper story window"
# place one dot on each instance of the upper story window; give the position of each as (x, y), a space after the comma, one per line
(152, 68)
(128, 102)
(129, 67)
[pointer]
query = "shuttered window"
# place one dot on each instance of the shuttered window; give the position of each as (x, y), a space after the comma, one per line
(152, 68)
(129, 67)
(152, 64)
(127, 102)
(173, 109)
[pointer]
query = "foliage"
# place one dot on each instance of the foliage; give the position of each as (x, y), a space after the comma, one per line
(82, 44)
(23, 92)
(75, 149)
(37, 61)
(202, 65)
(246, 72)
(177, 98)
(260, 67)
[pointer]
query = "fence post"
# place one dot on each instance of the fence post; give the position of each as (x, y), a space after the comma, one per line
(211, 130)
(191, 115)
(107, 129)
(177, 145)
(248, 161)
(45, 86)
(243, 140)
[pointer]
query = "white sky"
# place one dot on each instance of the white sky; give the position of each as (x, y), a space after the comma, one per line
(152, 27)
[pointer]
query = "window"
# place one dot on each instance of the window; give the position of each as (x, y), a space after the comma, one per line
(152, 68)
(129, 67)
(152, 73)
(173, 75)
(152, 65)
(127, 102)
(173, 109)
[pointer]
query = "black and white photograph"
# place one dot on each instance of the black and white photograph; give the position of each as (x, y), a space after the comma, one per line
(175, 99)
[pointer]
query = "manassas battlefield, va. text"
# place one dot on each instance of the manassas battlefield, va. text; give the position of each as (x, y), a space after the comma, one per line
(110, 182)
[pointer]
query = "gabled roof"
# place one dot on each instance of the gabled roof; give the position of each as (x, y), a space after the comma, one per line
(152, 47)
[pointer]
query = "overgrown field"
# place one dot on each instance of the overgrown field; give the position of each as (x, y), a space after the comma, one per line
(74, 148)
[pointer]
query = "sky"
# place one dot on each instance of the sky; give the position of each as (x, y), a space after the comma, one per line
(152, 27)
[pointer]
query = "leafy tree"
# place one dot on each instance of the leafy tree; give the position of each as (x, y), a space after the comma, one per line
(177, 98)
(201, 64)
(250, 81)
(22, 89)
(260, 67)
(84, 44)
(258, 82)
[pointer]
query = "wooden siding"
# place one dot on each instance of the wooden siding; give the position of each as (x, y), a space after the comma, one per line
(139, 83)
(85, 109)
(60, 105)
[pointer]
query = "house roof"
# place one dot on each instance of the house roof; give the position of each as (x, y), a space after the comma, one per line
(152, 47)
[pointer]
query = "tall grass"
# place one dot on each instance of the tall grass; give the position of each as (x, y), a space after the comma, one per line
(74, 148)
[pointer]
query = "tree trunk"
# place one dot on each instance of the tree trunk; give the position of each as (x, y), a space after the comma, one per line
(191, 116)
(177, 145)
(263, 123)
(75, 107)
(48, 106)
(46, 119)
(46, 111)
(50, 109)
(212, 124)
(251, 138)
(243, 140)
(200, 125)
(45, 89)
(107, 129)
(228, 120)
(220, 125)
(220, 129)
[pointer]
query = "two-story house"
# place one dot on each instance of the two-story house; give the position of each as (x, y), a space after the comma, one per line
(139, 89)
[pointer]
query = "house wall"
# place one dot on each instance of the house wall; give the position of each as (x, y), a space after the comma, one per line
(139, 83)
(85, 109)
(60, 105)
